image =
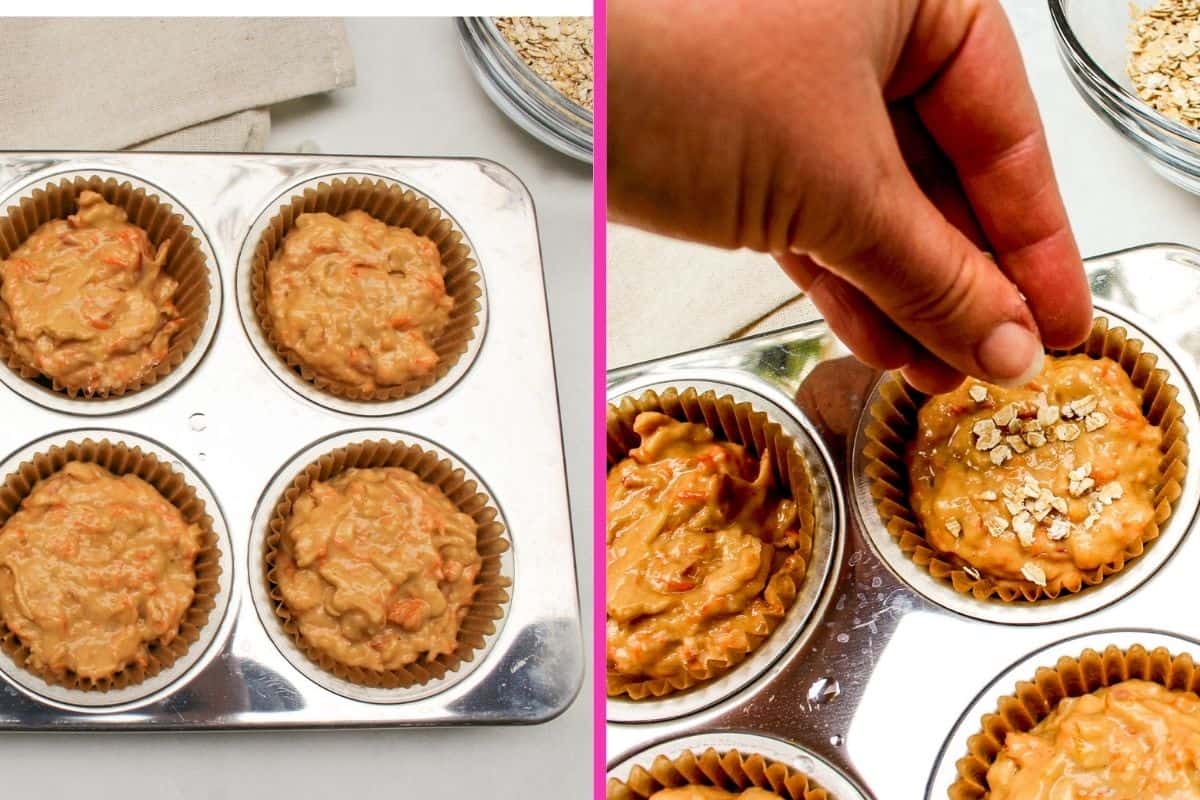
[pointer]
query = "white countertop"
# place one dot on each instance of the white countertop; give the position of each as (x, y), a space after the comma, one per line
(1113, 198)
(415, 96)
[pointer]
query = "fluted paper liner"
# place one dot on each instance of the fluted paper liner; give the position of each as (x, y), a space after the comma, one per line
(731, 770)
(121, 459)
(739, 423)
(398, 206)
(893, 424)
(1032, 701)
(491, 596)
(186, 263)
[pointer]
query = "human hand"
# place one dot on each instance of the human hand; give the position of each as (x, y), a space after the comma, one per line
(877, 148)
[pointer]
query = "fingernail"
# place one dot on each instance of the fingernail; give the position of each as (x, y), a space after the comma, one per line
(1011, 355)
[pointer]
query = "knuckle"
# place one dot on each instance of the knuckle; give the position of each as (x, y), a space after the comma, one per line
(946, 298)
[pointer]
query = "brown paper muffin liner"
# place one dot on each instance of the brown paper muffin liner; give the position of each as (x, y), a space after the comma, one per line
(732, 771)
(121, 459)
(739, 423)
(186, 263)
(398, 206)
(893, 424)
(491, 596)
(1032, 701)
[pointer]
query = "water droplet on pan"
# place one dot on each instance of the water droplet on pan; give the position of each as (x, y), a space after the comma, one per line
(822, 691)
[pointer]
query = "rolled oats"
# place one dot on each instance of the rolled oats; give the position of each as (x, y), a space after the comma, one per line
(1034, 573)
(1066, 432)
(1047, 415)
(1024, 526)
(1164, 58)
(1059, 529)
(983, 426)
(557, 49)
(1000, 454)
(988, 439)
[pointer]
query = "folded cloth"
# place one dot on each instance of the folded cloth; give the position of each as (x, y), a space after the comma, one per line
(665, 296)
(244, 131)
(160, 84)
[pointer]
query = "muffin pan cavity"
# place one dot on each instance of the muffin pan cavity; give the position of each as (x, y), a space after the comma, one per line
(190, 261)
(171, 665)
(230, 428)
(889, 657)
(729, 410)
(733, 762)
(1175, 412)
(397, 205)
(432, 463)
(1024, 695)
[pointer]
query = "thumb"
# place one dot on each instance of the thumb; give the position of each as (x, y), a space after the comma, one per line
(936, 285)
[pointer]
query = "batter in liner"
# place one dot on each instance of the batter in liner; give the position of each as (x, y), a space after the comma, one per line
(699, 536)
(1043, 483)
(712, 793)
(95, 569)
(1135, 740)
(378, 568)
(84, 300)
(359, 302)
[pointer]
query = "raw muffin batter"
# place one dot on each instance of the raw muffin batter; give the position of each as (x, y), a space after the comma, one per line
(378, 568)
(359, 302)
(1042, 483)
(84, 300)
(712, 793)
(1133, 741)
(698, 536)
(95, 568)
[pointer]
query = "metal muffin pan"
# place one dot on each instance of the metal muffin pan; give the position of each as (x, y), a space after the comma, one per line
(233, 426)
(815, 767)
(955, 746)
(883, 675)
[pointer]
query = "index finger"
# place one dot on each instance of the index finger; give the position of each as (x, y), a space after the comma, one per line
(980, 110)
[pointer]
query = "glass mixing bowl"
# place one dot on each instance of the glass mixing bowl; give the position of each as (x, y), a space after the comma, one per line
(529, 101)
(1092, 42)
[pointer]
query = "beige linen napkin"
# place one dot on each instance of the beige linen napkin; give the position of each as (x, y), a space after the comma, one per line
(160, 84)
(665, 295)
